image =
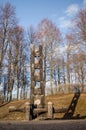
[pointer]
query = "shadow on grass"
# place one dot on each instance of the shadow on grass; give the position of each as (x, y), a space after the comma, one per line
(68, 112)
(71, 109)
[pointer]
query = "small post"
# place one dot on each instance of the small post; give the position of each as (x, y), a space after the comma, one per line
(50, 110)
(27, 105)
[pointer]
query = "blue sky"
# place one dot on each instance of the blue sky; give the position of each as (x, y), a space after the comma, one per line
(33, 11)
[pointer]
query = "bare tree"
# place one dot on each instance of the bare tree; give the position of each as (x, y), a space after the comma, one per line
(79, 69)
(81, 24)
(7, 21)
(18, 41)
(49, 36)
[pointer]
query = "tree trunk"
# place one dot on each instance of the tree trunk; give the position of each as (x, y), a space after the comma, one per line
(17, 92)
(11, 95)
(51, 87)
(44, 69)
(58, 75)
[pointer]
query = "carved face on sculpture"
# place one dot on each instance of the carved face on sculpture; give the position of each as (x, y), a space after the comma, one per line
(37, 102)
(37, 52)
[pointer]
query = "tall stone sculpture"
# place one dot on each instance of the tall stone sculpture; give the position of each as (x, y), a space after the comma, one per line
(37, 90)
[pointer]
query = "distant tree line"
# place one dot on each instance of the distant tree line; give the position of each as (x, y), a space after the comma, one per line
(64, 57)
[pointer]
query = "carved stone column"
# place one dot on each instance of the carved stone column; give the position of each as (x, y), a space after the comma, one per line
(37, 90)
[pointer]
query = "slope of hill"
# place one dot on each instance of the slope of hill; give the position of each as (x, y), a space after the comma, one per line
(59, 101)
(6, 115)
(65, 100)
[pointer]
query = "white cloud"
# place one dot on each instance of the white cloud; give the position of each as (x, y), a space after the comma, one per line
(66, 23)
(72, 9)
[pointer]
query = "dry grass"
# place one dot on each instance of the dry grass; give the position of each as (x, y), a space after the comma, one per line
(4, 110)
(59, 101)
(64, 100)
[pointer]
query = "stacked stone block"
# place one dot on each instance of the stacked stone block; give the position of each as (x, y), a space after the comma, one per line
(37, 91)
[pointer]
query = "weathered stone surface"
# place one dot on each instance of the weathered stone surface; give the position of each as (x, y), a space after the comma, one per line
(50, 110)
(37, 52)
(37, 93)
(27, 106)
(12, 108)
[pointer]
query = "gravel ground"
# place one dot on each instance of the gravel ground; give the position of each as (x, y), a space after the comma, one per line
(44, 125)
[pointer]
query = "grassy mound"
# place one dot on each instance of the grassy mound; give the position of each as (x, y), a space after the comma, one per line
(59, 101)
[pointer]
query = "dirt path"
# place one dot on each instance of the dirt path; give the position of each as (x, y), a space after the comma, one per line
(44, 125)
